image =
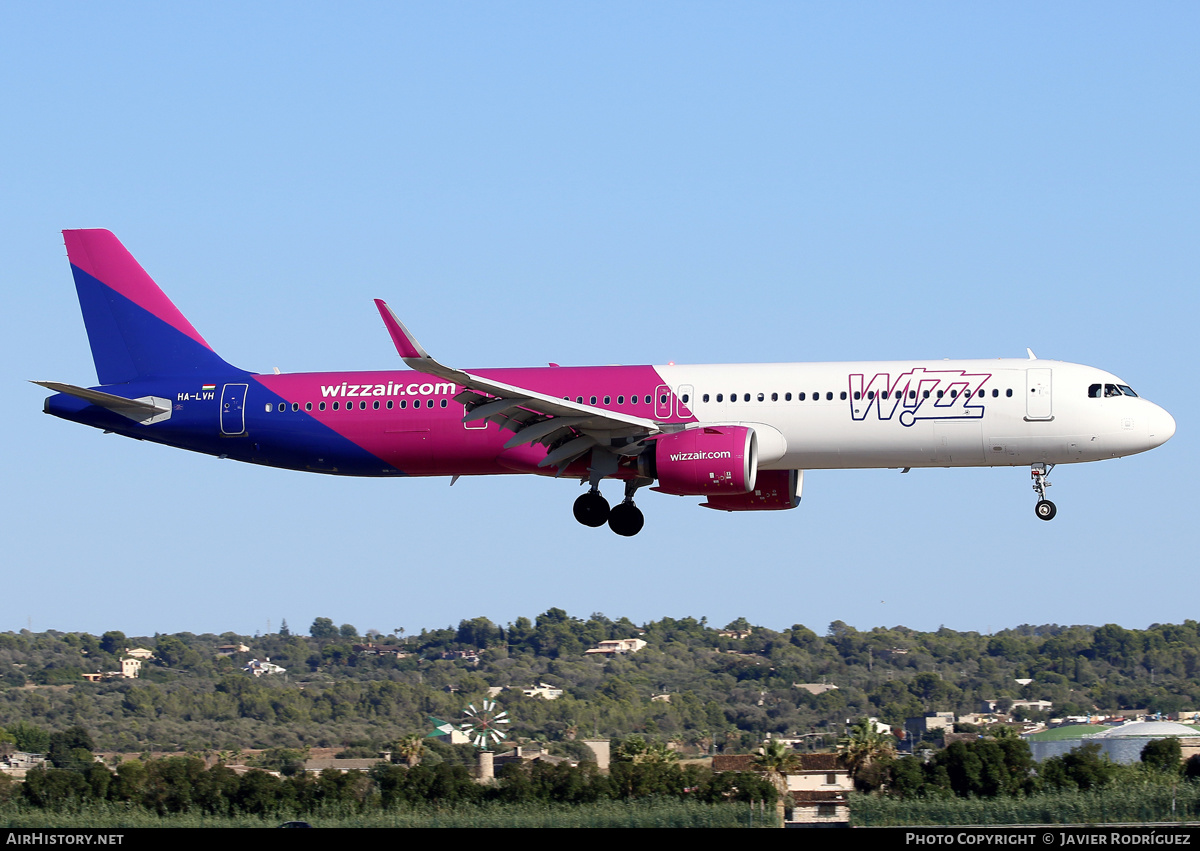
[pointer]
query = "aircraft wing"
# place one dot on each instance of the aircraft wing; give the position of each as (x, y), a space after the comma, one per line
(534, 416)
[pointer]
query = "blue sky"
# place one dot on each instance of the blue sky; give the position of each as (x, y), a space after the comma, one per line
(600, 183)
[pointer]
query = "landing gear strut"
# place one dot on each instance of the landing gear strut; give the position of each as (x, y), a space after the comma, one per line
(1045, 509)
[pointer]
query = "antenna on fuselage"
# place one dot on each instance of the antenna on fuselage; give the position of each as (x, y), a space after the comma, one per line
(1032, 356)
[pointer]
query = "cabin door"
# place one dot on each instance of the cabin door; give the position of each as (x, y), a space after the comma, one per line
(233, 409)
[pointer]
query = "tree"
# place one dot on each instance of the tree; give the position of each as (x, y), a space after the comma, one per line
(1163, 755)
(864, 745)
(777, 761)
(411, 747)
(283, 629)
(113, 642)
(323, 628)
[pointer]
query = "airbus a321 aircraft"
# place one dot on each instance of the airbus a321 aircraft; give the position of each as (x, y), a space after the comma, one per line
(739, 435)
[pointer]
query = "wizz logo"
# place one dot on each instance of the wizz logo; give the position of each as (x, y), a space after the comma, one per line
(919, 394)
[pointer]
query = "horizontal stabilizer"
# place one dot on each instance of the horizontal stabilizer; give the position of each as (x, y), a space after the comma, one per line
(146, 410)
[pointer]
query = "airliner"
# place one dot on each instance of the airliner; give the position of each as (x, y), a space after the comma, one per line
(738, 435)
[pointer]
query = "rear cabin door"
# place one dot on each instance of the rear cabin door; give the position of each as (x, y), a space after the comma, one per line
(233, 409)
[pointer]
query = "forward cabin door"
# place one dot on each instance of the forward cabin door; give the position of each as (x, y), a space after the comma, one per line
(1037, 394)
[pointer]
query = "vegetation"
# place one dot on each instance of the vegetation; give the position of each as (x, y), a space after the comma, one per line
(723, 692)
(689, 688)
(182, 785)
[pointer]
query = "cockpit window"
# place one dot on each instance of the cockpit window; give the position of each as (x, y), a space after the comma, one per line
(1109, 391)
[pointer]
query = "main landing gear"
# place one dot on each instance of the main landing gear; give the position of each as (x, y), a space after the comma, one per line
(1045, 509)
(625, 519)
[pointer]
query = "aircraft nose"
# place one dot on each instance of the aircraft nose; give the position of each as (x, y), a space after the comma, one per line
(1162, 426)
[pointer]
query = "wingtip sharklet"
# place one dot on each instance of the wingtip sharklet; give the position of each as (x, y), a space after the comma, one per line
(406, 344)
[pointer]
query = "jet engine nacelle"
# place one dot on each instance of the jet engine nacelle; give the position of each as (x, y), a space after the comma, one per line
(774, 490)
(708, 461)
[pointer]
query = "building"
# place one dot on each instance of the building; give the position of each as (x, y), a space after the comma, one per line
(544, 691)
(1122, 744)
(815, 688)
(619, 645)
(818, 788)
(263, 668)
(917, 727)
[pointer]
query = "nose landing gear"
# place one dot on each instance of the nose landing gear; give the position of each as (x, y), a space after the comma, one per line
(1045, 509)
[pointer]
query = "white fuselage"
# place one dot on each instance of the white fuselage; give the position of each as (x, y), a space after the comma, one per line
(948, 413)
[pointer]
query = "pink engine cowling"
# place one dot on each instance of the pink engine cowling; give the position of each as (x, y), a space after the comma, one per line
(710, 461)
(774, 490)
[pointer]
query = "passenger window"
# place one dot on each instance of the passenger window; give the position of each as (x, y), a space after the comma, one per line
(375, 404)
(829, 396)
(308, 406)
(720, 397)
(443, 403)
(321, 406)
(925, 394)
(705, 397)
(389, 404)
(732, 397)
(268, 407)
(995, 392)
(685, 398)
(335, 406)
(761, 397)
(842, 396)
(774, 397)
(800, 397)
(282, 407)
(295, 407)
(362, 406)
(1008, 392)
(608, 400)
(593, 398)
(647, 400)
(403, 404)
(787, 397)
(620, 400)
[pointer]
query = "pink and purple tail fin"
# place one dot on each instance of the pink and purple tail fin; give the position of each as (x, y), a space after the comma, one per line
(134, 329)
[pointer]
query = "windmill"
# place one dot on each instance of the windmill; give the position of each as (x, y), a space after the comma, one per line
(484, 726)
